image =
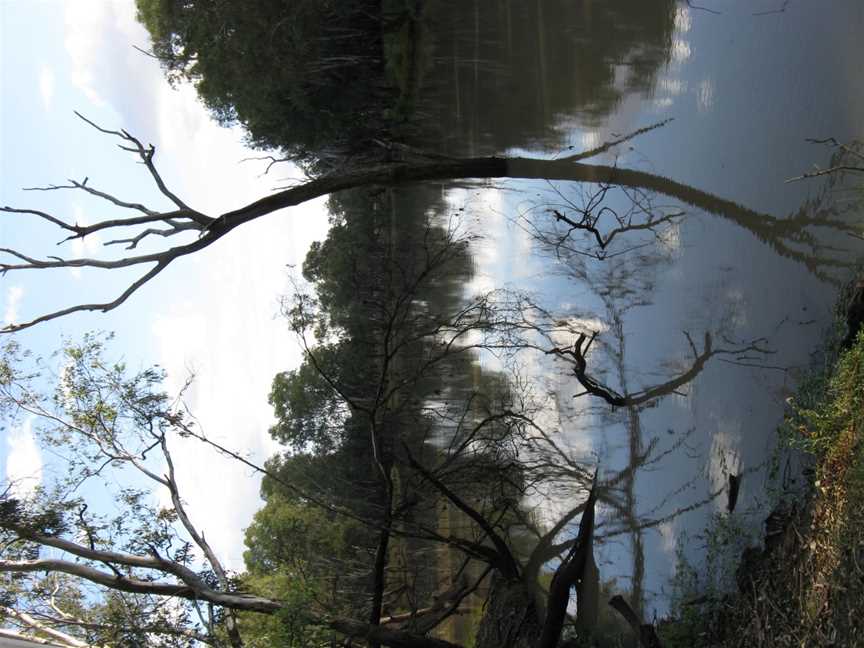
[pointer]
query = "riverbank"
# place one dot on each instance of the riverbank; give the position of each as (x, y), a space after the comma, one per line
(806, 587)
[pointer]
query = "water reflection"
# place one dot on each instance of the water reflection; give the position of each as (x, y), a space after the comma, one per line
(503, 75)
(513, 343)
(697, 275)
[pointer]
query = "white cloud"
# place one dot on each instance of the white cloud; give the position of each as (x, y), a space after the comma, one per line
(104, 65)
(672, 86)
(668, 537)
(680, 50)
(46, 86)
(13, 299)
(218, 308)
(705, 95)
(228, 332)
(683, 22)
(24, 460)
(83, 22)
(670, 237)
(724, 459)
(590, 140)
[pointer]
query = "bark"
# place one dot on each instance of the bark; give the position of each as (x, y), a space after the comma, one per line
(379, 574)
(569, 574)
(484, 167)
(511, 619)
(588, 597)
(233, 601)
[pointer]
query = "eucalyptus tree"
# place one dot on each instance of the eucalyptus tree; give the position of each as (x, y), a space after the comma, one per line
(153, 562)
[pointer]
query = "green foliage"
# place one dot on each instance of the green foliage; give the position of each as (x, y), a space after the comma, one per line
(95, 417)
(831, 404)
(290, 535)
(826, 420)
(304, 76)
(310, 413)
(301, 555)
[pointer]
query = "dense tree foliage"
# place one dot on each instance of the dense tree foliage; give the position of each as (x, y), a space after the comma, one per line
(304, 76)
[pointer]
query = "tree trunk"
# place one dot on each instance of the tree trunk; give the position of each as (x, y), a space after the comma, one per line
(510, 619)
(588, 598)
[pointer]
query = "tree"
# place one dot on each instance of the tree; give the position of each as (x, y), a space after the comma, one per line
(301, 76)
(107, 420)
(209, 229)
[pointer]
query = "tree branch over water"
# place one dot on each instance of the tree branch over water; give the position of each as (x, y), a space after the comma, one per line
(210, 229)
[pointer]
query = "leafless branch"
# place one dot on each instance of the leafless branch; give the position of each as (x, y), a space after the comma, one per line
(198, 539)
(37, 626)
(505, 562)
(780, 9)
(569, 572)
(698, 8)
(828, 171)
(615, 142)
(211, 229)
(588, 223)
(237, 601)
(104, 306)
(146, 155)
(273, 161)
(135, 240)
(74, 184)
(576, 356)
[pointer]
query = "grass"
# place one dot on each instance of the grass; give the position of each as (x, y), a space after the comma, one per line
(807, 589)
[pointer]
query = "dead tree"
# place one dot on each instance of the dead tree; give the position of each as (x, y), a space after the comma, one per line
(208, 229)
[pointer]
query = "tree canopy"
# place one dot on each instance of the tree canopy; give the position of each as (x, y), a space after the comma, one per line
(304, 76)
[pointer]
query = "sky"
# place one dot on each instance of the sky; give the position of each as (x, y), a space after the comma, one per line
(215, 314)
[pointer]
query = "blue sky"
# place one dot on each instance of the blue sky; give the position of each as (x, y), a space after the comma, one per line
(215, 314)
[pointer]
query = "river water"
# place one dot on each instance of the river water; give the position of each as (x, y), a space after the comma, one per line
(745, 86)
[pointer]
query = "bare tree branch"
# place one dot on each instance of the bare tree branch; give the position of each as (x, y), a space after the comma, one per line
(198, 538)
(104, 306)
(154, 561)
(135, 240)
(236, 601)
(391, 174)
(568, 574)
(506, 563)
(577, 357)
(34, 624)
(830, 170)
(146, 155)
(615, 142)
(74, 184)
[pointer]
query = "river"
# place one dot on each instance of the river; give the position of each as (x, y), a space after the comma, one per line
(744, 87)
